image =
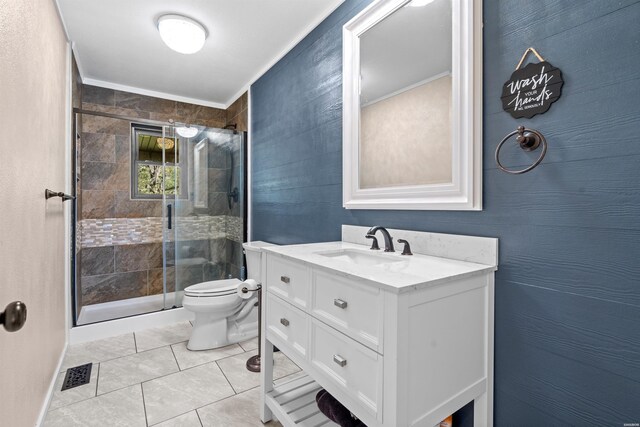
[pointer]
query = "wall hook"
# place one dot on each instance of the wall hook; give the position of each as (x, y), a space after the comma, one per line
(529, 140)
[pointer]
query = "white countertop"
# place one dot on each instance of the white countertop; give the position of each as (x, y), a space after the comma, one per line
(404, 273)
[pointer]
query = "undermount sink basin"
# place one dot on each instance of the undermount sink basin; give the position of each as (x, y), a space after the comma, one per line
(355, 256)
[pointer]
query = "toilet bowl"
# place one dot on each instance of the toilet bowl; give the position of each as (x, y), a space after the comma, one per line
(221, 316)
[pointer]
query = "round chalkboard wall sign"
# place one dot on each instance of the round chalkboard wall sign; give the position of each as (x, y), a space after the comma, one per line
(532, 89)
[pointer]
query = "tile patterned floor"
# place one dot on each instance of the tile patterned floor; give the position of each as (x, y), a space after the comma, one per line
(150, 379)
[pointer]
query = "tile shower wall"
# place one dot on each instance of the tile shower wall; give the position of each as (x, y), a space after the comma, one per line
(567, 348)
(237, 113)
(119, 240)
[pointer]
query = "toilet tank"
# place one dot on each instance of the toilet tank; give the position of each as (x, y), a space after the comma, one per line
(253, 251)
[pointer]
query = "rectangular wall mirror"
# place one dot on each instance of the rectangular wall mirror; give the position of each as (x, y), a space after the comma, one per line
(412, 92)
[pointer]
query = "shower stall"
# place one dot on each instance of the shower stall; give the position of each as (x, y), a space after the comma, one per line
(160, 206)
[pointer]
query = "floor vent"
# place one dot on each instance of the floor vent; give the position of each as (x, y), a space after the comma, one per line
(77, 376)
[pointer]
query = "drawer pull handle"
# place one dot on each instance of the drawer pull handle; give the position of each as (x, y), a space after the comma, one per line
(339, 360)
(284, 321)
(340, 303)
(285, 279)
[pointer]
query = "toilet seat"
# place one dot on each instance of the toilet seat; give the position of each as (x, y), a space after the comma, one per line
(215, 288)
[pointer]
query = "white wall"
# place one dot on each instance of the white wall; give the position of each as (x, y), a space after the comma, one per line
(33, 143)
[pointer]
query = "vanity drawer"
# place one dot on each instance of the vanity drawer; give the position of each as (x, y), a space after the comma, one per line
(352, 308)
(354, 368)
(288, 280)
(288, 325)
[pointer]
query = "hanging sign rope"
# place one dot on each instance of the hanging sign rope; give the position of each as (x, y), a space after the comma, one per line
(532, 89)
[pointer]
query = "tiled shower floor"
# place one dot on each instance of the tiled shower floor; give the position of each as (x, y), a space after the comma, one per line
(150, 378)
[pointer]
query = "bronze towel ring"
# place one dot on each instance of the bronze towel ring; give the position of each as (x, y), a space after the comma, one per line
(529, 140)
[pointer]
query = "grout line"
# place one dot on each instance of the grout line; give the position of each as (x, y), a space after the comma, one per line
(147, 380)
(216, 360)
(93, 397)
(199, 419)
(175, 358)
(223, 399)
(97, 379)
(225, 377)
(124, 355)
(251, 339)
(70, 404)
(215, 401)
(229, 397)
(192, 410)
(199, 407)
(144, 405)
(167, 345)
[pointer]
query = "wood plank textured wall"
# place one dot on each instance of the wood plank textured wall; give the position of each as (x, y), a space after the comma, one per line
(568, 288)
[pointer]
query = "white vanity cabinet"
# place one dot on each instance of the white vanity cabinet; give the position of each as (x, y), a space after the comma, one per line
(395, 348)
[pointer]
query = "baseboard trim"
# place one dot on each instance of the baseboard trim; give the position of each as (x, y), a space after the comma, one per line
(110, 328)
(47, 400)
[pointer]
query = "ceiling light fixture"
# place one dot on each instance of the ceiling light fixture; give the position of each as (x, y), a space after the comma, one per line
(182, 34)
(418, 3)
(187, 131)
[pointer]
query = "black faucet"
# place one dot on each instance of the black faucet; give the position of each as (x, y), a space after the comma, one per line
(388, 240)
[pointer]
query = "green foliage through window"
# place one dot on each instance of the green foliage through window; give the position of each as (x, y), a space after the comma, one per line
(150, 179)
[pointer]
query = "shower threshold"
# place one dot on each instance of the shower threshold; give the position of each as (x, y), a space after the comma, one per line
(94, 313)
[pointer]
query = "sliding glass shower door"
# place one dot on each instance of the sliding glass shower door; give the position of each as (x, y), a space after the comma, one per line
(203, 203)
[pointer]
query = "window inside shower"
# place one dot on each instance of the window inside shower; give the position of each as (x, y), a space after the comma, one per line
(151, 175)
(156, 212)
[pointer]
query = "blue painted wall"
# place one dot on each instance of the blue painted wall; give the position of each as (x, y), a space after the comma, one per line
(568, 288)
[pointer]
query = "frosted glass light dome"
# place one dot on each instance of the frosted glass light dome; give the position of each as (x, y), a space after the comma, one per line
(187, 131)
(181, 34)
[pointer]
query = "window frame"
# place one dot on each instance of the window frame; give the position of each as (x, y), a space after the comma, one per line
(136, 162)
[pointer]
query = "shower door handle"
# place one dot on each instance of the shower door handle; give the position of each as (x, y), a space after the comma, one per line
(169, 216)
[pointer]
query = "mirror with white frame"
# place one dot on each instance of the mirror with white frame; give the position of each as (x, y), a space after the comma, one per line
(412, 94)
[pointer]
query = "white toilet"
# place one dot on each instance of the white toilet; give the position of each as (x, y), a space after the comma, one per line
(221, 316)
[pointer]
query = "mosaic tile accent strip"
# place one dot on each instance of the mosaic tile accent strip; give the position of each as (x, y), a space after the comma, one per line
(128, 231)
(201, 227)
(234, 229)
(119, 231)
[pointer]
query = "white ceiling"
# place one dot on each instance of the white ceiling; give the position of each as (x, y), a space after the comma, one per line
(411, 45)
(117, 44)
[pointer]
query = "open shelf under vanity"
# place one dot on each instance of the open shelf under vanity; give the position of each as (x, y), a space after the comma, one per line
(293, 402)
